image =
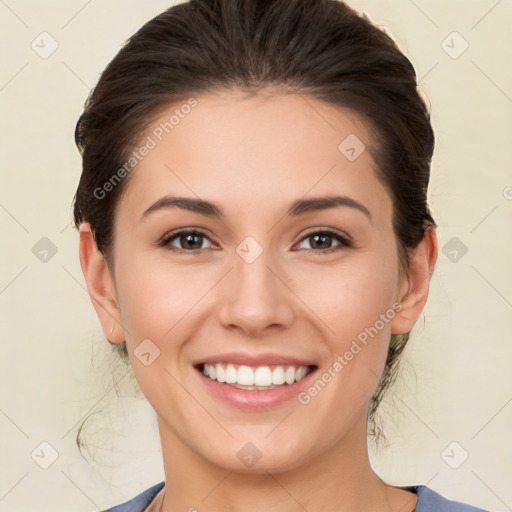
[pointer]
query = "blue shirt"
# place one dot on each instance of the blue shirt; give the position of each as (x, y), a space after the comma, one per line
(428, 501)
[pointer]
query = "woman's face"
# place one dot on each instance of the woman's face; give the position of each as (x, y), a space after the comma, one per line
(264, 283)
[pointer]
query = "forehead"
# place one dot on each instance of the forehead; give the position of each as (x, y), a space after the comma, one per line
(241, 150)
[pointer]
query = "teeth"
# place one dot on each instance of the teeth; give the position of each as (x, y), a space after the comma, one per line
(290, 375)
(255, 378)
(263, 376)
(278, 376)
(221, 374)
(231, 374)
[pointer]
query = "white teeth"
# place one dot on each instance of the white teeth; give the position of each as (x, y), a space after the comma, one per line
(231, 374)
(263, 376)
(301, 373)
(220, 373)
(278, 377)
(255, 378)
(245, 376)
(290, 375)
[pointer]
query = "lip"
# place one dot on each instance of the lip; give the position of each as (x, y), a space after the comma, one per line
(265, 359)
(255, 400)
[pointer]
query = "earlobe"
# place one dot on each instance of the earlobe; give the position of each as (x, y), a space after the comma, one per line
(100, 285)
(414, 293)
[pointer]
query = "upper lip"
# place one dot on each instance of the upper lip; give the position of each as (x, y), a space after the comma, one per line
(265, 359)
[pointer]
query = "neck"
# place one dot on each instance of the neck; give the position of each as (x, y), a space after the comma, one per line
(340, 480)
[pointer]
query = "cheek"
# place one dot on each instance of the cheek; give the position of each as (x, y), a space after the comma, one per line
(158, 302)
(355, 304)
(351, 297)
(157, 299)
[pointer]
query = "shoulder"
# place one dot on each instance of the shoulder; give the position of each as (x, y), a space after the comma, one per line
(428, 501)
(140, 502)
(431, 501)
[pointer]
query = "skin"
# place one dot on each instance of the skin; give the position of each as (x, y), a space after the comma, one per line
(254, 156)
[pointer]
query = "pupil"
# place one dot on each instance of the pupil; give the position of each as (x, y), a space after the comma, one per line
(190, 238)
(317, 237)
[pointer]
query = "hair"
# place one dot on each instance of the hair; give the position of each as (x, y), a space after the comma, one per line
(320, 48)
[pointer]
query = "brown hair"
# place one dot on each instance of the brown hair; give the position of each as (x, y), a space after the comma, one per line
(322, 48)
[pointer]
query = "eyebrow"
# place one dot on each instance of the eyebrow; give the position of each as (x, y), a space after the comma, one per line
(299, 207)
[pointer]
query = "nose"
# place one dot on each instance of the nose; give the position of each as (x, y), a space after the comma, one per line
(255, 297)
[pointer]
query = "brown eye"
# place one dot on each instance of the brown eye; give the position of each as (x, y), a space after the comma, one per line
(187, 240)
(320, 242)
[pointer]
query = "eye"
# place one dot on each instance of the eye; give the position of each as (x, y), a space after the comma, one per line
(320, 242)
(191, 241)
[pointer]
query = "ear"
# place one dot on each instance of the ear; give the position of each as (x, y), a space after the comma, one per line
(414, 289)
(100, 285)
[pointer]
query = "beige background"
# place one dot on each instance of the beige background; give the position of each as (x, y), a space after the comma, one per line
(56, 368)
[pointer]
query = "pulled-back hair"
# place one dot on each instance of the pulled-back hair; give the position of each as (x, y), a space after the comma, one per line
(321, 48)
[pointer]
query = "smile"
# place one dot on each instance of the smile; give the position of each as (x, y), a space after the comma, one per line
(255, 378)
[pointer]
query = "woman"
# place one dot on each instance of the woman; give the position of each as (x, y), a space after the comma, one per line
(255, 235)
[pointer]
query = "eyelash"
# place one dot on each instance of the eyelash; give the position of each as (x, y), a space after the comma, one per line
(345, 242)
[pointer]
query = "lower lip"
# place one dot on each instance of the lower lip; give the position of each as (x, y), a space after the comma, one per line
(255, 400)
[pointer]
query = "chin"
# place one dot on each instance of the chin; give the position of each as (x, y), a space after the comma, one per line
(260, 456)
